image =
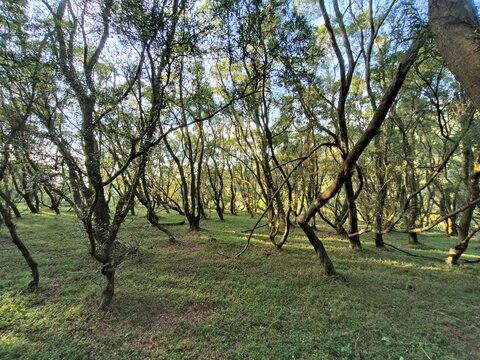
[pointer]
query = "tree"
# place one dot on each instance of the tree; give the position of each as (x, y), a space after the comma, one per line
(20, 75)
(352, 157)
(76, 47)
(455, 27)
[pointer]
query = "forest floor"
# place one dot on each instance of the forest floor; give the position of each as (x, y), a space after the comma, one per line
(193, 300)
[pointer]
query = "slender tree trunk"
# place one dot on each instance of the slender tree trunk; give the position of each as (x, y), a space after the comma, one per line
(286, 231)
(449, 225)
(37, 200)
(413, 238)
(92, 164)
(352, 214)
(54, 203)
(10, 204)
(233, 192)
(381, 192)
(27, 195)
(219, 211)
(21, 246)
(466, 217)
(153, 219)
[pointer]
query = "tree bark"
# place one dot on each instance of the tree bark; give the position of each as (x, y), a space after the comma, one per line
(455, 27)
(466, 217)
(381, 192)
(233, 208)
(325, 261)
(21, 246)
(10, 204)
(352, 214)
(109, 272)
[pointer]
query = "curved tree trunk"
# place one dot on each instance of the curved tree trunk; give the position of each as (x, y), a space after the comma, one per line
(353, 155)
(21, 246)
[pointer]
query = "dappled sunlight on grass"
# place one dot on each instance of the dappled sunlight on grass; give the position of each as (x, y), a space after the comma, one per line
(186, 300)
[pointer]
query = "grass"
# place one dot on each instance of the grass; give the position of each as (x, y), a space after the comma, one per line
(188, 300)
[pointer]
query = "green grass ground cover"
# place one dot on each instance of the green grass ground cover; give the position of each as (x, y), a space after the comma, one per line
(192, 300)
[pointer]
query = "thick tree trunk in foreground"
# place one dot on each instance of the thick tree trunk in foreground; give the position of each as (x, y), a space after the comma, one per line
(456, 29)
(353, 155)
(21, 246)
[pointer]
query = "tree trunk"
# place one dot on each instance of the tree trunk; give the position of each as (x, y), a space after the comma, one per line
(21, 246)
(153, 219)
(10, 204)
(327, 264)
(350, 160)
(219, 211)
(379, 241)
(381, 191)
(194, 222)
(413, 238)
(449, 225)
(27, 195)
(352, 214)
(92, 164)
(54, 202)
(470, 176)
(109, 272)
(455, 28)
(233, 208)
(466, 218)
(151, 215)
(287, 227)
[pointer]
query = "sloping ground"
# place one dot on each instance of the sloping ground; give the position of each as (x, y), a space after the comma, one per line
(193, 300)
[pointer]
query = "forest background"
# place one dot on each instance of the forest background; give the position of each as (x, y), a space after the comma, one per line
(306, 117)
